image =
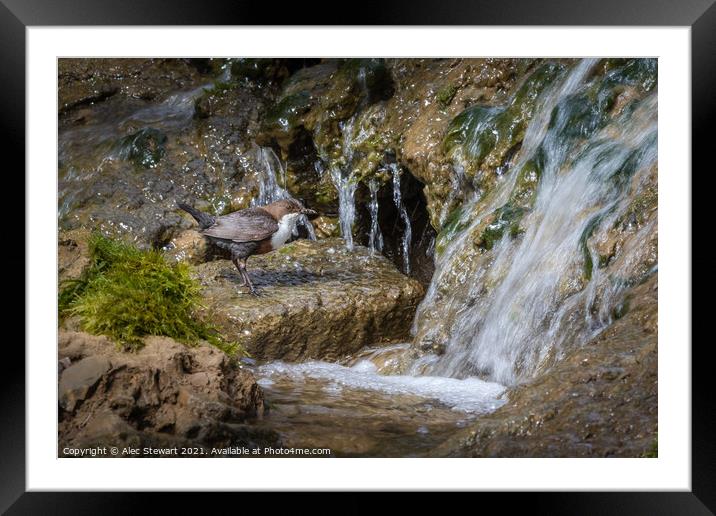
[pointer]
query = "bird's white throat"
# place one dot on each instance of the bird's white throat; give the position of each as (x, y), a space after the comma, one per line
(285, 228)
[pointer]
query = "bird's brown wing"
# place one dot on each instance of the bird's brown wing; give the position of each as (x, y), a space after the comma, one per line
(246, 225)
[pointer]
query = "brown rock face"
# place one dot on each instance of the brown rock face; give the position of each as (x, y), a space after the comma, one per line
(600, 401)
(84, 81)
(167, 394)
(319, 301)
(72, 254)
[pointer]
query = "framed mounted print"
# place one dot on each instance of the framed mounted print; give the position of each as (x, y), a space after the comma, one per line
(451, 257)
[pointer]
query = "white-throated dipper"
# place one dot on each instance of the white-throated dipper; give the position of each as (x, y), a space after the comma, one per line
(257, 230)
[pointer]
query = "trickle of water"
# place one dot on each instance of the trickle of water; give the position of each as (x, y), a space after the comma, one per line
(407, 229)
(346, 187)
(343, 178)
(375, 238)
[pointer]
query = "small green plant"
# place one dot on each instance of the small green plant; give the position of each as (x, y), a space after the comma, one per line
(127, 294)
(445, 95)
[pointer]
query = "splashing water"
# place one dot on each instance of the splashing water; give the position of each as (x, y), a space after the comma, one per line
(407, 231)
(525, 299)
(469, 395)
(343, 177)
(375, 238)
(268, 166)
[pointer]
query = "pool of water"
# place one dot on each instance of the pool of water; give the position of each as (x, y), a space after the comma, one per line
(356, 409)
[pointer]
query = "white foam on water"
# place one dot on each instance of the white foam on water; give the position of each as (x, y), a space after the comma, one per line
(470, 395)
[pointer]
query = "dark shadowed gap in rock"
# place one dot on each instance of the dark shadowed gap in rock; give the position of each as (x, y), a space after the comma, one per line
(393, 228)
(297, 64)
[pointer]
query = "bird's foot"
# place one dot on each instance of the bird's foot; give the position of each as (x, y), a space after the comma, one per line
(250, 289)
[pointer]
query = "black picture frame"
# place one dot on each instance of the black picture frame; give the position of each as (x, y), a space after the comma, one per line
(17, 15)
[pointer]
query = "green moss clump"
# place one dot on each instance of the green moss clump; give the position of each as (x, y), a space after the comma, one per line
(127, 294)
(287, 113)
(528, 178)
(485, 134)
(446, 94)
(584, 237)
(144, 148)
(580, 115)
(455, 223)
(638, 72)
(504, 218)
(621, 309)
(622, 175)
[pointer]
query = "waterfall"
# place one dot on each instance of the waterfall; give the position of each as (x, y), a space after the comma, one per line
(343, 178)
(407, 231)
(375, 238)
(346, 188)
(268, 167)
(539, 288)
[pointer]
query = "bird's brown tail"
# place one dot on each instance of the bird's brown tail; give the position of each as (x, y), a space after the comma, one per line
(204, 219)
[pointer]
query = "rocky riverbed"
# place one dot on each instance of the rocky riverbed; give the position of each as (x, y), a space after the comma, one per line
(481, 279)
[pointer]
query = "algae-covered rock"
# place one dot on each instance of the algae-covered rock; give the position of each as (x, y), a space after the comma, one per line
(319, 301)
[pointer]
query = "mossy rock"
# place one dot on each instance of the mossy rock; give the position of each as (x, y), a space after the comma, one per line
(455, 223)
(128, 294)
(482, 136)
(638, 72)
(287, 113)
(258, 69)
(504, 218)
(446, 94)
(144, 148)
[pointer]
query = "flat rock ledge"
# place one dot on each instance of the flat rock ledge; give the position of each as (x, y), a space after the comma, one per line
(319, 301)
(165, 395)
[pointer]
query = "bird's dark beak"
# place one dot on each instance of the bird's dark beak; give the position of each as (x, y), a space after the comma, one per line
(309, 213)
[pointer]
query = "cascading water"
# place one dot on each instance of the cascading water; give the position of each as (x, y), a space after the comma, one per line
(523, 300)
(375, 238)
(269, 189)
(343, 177)
(407, 230)
(346, 187)
(503, 311)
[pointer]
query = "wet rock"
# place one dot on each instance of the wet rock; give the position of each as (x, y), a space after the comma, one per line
(189, 246)
(62, 365)
(123, 163)
(79, 380)
(165, 394)
(319, 301)
(72, 254)
(89, 80)
(326, 227)
(599, 401)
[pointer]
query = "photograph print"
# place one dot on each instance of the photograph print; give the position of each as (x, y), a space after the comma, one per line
(357, 257)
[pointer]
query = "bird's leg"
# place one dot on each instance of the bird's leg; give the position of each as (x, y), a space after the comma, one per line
(241, 265)
(242, 270)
